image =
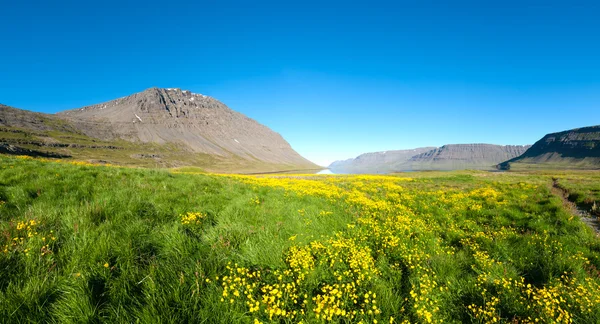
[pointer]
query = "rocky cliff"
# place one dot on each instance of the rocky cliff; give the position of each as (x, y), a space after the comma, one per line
(464, 156)
(447, 157)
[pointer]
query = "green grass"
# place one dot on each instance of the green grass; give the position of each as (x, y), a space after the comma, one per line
(583, 189)
(129, 218)
(121, 253)
(557, 164)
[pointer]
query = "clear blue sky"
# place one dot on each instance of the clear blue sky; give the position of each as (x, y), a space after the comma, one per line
(336, 79)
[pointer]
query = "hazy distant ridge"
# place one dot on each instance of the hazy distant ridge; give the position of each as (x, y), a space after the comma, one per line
(376, 162)
(464, 156)
(447, 157)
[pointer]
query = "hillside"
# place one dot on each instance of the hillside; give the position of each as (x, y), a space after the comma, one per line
(572, 149)
(164, 127)
(464, 156)
(376, 162)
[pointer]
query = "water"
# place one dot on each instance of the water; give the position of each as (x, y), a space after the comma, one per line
(326, 171)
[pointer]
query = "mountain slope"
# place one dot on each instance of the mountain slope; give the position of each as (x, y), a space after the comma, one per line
(376, 162)
(198, 122)
(19, 118)
(573, 149)
(167, 127)
(464, 156)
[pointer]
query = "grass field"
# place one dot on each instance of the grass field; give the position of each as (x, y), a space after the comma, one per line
(82, 243)
(583, 189)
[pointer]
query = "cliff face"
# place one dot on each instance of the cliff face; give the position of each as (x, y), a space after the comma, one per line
(377, 162)
(447, 157)
(577, 148)
(464, 156)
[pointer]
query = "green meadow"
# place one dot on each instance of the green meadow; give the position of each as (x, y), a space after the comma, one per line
(99, 244)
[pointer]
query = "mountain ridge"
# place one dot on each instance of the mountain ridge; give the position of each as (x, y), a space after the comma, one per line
(376, 162)
(577, 148)
(446, 157)
(480, 156)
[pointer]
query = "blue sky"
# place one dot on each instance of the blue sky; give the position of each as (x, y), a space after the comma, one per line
(335, 78)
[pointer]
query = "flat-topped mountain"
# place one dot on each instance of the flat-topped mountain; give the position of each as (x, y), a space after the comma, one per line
(447, 157)
(377, 162)
(464, 156)
(572, 149)
(158, 123)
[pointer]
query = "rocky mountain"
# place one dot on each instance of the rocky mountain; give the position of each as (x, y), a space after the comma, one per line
(447, 157)
(377, 162)
(573, 149)
(464, 156)
(172, 127)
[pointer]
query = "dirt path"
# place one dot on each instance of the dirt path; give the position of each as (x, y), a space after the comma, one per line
(585, 216)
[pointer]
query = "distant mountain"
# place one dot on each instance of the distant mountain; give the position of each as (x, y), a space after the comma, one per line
(573, 149)
(376, 162)
(169, 127)
(464, 156)
(447, 157)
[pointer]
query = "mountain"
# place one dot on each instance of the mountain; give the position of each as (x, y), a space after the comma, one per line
(376, 162)
(166, 127)
(447, 157)
(572, 149)
(464, 156)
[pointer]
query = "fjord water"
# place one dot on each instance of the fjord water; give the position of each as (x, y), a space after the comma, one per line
(326, 171)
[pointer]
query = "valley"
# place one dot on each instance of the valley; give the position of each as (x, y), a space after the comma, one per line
(167, 206)
(299, 162)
